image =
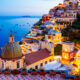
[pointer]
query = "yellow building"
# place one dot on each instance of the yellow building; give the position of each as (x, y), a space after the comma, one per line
(67, 52)
(13, 58)
(76, 63)
(37, 59)
(53, 36)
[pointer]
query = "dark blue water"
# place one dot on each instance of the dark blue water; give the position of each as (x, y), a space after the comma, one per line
(19, 26)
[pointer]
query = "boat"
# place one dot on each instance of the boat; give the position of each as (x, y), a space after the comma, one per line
(14, 31)
(10, 30)
(27, 23)
(0, 29)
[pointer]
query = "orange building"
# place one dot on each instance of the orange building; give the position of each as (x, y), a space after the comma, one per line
(67, 52)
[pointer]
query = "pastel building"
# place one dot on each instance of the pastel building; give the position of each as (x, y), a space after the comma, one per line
(72, 0)
(65, 19)
(36, 60)
(67, 52)
(36, 30)
(12, 57)
(31, 45)
(53, 36)
(47, 45)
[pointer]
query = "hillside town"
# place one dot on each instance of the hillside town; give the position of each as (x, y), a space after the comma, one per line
(51, 44)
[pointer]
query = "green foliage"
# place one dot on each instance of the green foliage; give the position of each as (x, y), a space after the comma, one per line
(7, 69)
(42, 70)
(52, 70)
(24, 69)
(76, 23)
(33, 70)
(20, 43)
(58, 49)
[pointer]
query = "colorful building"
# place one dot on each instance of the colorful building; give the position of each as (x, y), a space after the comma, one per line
(11, 56)
(37, 59)
(53, 36)
(68, 52)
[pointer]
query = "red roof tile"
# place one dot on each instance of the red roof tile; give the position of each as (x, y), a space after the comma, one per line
(36, 56)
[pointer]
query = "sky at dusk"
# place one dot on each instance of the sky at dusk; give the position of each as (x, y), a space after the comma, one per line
(26, 7)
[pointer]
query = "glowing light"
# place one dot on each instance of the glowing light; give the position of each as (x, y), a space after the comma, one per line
(65, 57)
(65, 49)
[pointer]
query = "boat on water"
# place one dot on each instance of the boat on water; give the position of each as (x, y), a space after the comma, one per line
(10, 30)
(14, 31)
(0, 29)
(27, 23)
(16, 24)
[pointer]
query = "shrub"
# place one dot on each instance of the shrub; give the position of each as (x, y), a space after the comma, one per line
(15, 71)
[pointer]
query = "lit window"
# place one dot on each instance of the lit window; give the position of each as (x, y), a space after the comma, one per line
(65, 56)
(71, 49)
(66, 49)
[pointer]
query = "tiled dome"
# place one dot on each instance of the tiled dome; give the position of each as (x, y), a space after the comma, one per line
(11, 51)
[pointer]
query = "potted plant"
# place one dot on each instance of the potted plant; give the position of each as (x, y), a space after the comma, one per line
(42, 72)
(7, 71)
(24, 71)
(52, 72)
(0, 71)
(63, 74)
(34, 72)
(15, 71)
(77, 77)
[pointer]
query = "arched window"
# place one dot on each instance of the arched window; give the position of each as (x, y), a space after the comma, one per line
(36, 67)
(18, 64)
(41, 64)
(45, 62)
(50, 60)
(2, 64)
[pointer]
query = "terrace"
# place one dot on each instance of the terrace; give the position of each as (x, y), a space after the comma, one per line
(30, 77)
(36, 75)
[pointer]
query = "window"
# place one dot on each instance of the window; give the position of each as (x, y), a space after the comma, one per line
(18, 64)
(50, 60)
(2, 64)
(49, 37)
(30, 68)
(45, 62)
(41, 64)
(36, 67)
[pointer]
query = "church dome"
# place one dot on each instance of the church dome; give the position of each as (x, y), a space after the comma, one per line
(11, 51)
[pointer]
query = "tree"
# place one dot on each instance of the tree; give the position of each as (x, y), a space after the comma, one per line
(58, 49)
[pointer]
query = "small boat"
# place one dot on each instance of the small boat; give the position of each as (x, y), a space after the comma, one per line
(14, 31)
(10, 30)
(0, 29)
(27, 23)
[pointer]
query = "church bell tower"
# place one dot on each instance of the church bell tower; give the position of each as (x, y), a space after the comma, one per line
(11, 38)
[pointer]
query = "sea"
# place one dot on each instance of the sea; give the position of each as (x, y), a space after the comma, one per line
(17, 25)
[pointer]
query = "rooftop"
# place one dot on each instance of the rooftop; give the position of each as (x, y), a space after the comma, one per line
(53, 31)
(36, 56)
(68, 42)
(32, 40)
